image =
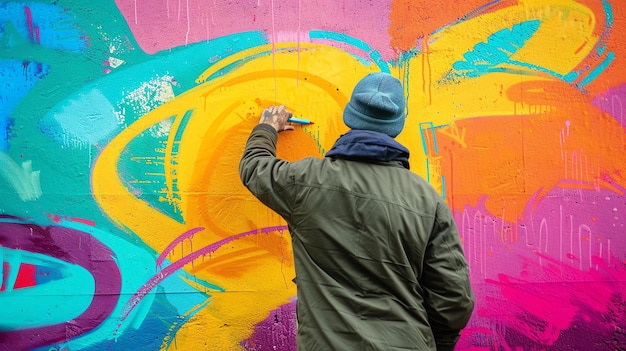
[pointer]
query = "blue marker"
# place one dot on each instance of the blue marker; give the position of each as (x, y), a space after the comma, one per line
(299, 121)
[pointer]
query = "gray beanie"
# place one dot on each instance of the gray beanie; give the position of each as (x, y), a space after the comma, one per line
(377, 104)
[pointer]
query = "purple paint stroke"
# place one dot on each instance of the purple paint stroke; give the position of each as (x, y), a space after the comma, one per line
(74, 247)
(169, 270)
(186, 235)
(613, 102)
(276, 333)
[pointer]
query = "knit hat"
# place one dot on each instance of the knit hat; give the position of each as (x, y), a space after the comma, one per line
(377, 104)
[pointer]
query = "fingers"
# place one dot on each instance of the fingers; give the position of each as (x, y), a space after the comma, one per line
(277, 116)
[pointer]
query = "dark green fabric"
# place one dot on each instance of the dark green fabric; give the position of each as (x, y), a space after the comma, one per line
(378, 259)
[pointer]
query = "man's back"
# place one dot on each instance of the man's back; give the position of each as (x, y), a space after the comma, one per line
(358, 243)
(362, 233)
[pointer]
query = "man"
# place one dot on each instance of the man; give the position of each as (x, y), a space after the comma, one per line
(379, 264)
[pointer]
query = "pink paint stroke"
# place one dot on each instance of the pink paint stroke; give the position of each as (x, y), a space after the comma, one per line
(186, 235)
(169, 270)
(368, 23)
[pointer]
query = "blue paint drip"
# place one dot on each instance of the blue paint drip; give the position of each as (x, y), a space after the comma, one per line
(374, 55)
(19, 77)
(498, 49)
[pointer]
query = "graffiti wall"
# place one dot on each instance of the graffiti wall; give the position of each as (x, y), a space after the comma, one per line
(123, 224)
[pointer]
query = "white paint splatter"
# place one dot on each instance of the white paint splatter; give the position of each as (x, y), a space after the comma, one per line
(146, 98)
(115, 62)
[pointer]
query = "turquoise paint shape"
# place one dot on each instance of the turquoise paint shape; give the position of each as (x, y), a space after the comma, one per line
(88, 117)
(137, 265)
(498, 49)
(78, 117)
(538, 69)
(182, 295)
(374, 55)
(608, 13)
(46, 303)
(598, 70)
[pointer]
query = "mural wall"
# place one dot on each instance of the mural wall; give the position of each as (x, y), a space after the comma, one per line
(123, 224)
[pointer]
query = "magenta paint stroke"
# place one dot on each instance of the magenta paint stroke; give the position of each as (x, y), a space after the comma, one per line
(282, 20)
(179, 240)
(74, 247)
(613, 102)
(542, 310)
(557, 272)
(180, 263)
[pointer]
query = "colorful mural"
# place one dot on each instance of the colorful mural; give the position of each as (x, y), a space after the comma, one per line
(123, 224)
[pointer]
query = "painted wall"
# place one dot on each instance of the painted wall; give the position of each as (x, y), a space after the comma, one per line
(123, 223)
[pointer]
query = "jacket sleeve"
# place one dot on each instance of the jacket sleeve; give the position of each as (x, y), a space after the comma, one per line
(449, 300)
(266, 176)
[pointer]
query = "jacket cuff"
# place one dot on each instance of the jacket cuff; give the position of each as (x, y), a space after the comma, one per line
(266, 127)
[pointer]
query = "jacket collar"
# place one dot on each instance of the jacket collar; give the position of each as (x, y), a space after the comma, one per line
(369, 146)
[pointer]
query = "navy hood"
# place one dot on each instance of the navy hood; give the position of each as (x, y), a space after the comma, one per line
(369, 146)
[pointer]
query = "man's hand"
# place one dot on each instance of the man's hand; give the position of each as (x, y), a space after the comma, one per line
(277, 117)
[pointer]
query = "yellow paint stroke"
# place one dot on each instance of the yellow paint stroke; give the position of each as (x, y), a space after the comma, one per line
(314, 82)
(565, 37)
(256, 271)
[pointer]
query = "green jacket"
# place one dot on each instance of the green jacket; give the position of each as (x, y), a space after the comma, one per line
(378, 259)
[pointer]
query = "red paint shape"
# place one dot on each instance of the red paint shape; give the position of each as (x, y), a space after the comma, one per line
(26, 276)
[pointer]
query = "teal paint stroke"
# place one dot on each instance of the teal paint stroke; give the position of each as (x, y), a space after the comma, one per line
(184, 318)
(600, 50)
(429, 125)
(77, 119)
(374, 55)
(34, 24)
(569, 77)
(45, 303)
(608, 13)
(486, 57)
(597, 70)
(136, 265)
